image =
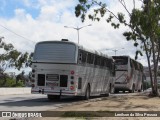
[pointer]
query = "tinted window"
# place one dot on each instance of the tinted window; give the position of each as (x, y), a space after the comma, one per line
(55, 52)
(82, 56)
(90, 58)
(120, 60)
(97, 60)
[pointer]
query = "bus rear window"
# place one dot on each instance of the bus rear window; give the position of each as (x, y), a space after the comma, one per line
(121, 62)
(55, 52)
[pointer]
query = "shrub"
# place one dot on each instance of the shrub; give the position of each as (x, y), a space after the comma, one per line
(10, 82)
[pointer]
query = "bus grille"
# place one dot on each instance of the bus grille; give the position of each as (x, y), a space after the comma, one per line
(41, 80)
(63, 80)
(52, 77)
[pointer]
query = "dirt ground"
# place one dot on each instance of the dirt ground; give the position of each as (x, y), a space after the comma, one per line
(120, 103)
(128, 102)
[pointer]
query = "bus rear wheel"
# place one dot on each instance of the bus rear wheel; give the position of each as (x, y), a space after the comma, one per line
(87, 93)
(111, 89)
(53, 97)
(140, 89)
(116, 91)
(133, 89)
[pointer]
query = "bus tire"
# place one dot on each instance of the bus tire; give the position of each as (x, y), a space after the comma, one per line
(116, 91)
(133, 88)
(53, 97)
(107, 95)
(87, 93)
(111, 88)
(140, 89)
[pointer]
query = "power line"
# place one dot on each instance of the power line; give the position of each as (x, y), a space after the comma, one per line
(16, 33)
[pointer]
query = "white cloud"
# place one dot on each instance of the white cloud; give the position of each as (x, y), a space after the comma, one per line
(49, 25)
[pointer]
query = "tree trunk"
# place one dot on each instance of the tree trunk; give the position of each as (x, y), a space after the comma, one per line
(149, 65)
(154, 90)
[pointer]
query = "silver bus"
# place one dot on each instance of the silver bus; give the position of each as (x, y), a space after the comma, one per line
(65, 68)
(129, 74)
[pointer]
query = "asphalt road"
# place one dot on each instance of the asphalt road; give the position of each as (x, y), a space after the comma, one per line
(37, 102)
(31, 102)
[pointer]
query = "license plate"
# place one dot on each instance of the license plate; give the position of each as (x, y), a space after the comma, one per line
(41, 87)
(47, 88)
(51, 84)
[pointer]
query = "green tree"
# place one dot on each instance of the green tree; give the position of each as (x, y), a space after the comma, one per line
(10, 58)
(143, 24)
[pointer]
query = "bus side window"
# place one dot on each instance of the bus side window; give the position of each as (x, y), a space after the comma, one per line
(102, 61)
(97, 60)
(135, 64)
(82, 56)
(113, 69)
(108, 64)
(90, 58)
(131, 63)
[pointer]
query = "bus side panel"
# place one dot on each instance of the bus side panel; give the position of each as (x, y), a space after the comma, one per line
(139, 81)
(96, 78)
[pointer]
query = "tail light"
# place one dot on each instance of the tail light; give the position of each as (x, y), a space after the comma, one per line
(72, 72)
(72, 82)
(33, 85)
(71, 87)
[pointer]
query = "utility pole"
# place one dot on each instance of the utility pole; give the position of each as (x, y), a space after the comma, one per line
(78, 28)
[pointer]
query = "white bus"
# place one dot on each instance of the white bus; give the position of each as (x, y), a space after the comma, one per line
(129, 74)
(65, 68)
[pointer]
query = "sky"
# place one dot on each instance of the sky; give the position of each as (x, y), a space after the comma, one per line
(26, 22)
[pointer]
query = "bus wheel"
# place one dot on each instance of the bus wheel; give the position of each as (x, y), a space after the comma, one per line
(140, 89)
(133, 88)
(112, 89)
(53, 97)
(87, 93)
(116, 91)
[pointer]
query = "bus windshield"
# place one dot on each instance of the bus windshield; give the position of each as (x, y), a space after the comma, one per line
(121, 62)
(55, 52)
